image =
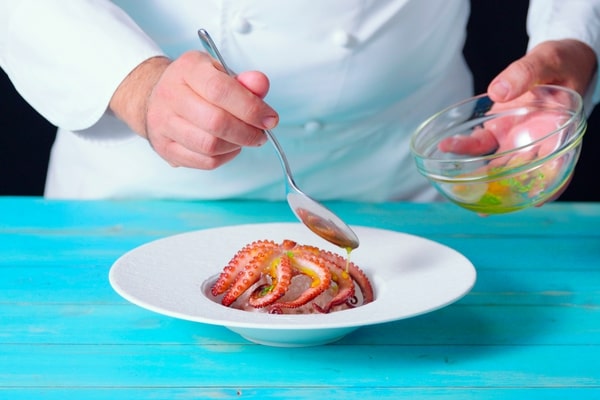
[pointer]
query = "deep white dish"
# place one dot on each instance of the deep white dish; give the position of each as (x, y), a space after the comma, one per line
(172, 276)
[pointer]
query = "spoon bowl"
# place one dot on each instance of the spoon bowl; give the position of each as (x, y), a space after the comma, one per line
(310, 212)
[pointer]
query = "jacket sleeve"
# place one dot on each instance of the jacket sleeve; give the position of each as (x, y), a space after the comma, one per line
(66, 58)
(573, 19)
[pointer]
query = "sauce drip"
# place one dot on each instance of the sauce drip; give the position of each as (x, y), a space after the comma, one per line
(348, 251)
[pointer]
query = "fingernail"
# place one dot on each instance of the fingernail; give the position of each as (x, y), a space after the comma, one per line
(270, 122)
(500, 89)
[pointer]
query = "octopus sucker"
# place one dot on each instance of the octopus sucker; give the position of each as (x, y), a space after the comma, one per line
(355, 272)
(236, 266)
(249, 275)
(286, 277)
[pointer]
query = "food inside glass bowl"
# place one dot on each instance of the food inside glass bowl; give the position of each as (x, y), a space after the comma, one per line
(501, 157)
(523, 169)
(512, 192)
(291, 278)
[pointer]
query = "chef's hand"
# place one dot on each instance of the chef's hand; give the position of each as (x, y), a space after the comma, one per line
(567, 63)
(192, 113)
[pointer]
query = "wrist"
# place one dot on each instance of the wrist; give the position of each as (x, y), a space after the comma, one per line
(130, 101)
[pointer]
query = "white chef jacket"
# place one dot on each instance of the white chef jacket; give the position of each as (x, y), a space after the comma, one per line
(351, 80)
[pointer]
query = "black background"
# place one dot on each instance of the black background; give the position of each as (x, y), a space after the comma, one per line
(496, 36)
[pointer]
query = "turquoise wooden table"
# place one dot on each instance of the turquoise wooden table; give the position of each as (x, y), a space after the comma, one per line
(529, 329)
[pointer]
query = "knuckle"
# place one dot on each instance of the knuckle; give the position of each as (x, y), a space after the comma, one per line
(209, 145)
(215, 88)
(554, 55)
(216, 121)
(253, 110)
(186, 60)
(527, 70)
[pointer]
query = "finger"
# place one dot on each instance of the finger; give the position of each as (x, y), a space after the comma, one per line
(564, 62)
(254, 81)
(179, 156)
(480, 142)
(518, 78)
(227, 93)
(542, 64)
(197, 140)
(515, 160)
(204, 117)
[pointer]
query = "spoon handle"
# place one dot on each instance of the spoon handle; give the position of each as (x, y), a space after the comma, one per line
(211, 48)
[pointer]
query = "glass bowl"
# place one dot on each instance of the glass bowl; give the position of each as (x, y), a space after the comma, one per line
(500, 157)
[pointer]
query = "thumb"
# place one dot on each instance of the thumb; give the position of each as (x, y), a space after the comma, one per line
(516, 79)
(565, 62)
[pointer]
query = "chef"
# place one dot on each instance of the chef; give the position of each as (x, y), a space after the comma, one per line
(141, 111)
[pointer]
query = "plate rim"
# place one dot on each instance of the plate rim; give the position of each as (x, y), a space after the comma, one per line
(352, 318)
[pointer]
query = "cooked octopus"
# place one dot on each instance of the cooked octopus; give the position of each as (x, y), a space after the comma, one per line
(288, 277)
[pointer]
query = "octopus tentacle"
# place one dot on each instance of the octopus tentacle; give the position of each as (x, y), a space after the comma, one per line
(310, 265)
(262, 273)
(237, 263)
(249, 275)
(281, 278)
(345, 286)
(363, 283)
(357, 275)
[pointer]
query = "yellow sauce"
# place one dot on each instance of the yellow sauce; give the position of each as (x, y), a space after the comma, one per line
(348, 251)
(504, 195)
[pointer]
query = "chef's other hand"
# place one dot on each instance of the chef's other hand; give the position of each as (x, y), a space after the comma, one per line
(192, 113)
(566, 62)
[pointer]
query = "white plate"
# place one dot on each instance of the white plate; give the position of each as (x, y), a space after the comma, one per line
(410, 276)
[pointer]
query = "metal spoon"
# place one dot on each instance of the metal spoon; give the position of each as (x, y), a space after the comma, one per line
(313, 214)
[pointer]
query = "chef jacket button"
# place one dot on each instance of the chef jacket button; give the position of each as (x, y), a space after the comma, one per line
(241, 25)
(312, 126)
(343, 39)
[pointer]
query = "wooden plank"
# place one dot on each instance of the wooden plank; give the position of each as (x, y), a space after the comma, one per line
(511, 251)
(518, 253)
(295, 393)
(460, 324)
(577, 253)
(164, 217)
(97, 232)
(77, 283)
(216, 366)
